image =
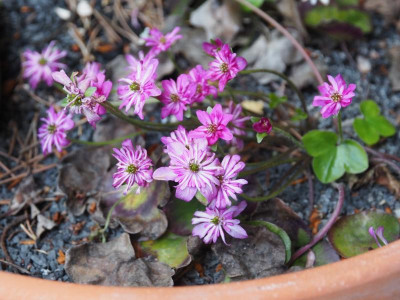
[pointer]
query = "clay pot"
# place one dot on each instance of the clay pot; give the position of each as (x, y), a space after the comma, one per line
(373, 275)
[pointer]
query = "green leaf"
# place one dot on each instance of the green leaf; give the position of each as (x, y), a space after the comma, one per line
(367, 133)
(254, 119)
(318, 142)
(347, 2)
(256, 3)
(199, 196)
(324, 254)
(350, 236)
(180, 213)
(382, 125)
(64, 102)
(322, 15)
(299, 115)
(275, 100)
(348, 157)
(214, 147)
(170, 249)
(278, 231)
(369, 108)
(90, 91)
(260, 136)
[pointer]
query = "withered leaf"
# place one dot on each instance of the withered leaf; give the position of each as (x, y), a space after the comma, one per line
(114, 264)
(26, 194)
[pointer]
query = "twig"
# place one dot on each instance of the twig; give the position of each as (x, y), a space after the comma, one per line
(20, 269)
(22, 175)
(286, 33)
(73, 30)
(15, 222)
(109, 29)
(36, 97)
(381, 155)
(395, 167)
(327, 226)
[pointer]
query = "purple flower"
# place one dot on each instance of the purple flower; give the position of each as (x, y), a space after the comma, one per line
(214, 125)
(225, 66)
(228, 186)
(263, 126)
(145, 61)
(134, 167)
(199, 77)
(39, 66)
(160, 42)
(378, 234)
(211, 48)
(334, 96)
(138, 87)
(176, 96)
(237, 122)
(90, 71)
(77, 102)
(53, 131)
(178, 136)
(193, 169)
(212, 223)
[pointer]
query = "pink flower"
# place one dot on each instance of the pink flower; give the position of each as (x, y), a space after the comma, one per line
(237, 122)
(134, 167)
(378, 234)
(263, 126)
(77, 101)
(39, 66)
(176, 96)
(214, 125)
(90, 71)
(144, 60)
(225, 66)
(229, 186)
(53, 131)
(212, 223)
(178, 136)
(160, 42)
(199, 77)
(214, 46)
(138, 87)
(334, 96)
(193, 169)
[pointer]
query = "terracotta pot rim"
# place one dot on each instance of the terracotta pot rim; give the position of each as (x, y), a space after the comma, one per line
(367, 276)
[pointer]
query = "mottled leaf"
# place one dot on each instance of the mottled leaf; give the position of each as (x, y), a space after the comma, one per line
(114, 264)
(170, 249)
(350, 236)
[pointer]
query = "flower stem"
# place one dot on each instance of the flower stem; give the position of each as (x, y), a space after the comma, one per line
(327, 226)
(278, 231)
(288, 136)
(339, 118)
(109, 142)
(108, 219)
(284, 77)
(266, 165)
(286, 33)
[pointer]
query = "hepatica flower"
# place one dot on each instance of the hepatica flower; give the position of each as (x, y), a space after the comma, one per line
(176, 96)
(194, 169)
(138, 87)
(225, 66)
(378, 235)
(134, 167)
(211, 224)
(144, 60)
(178, 136)
(160, 42)
(334, 96)
(213, 47)
(54, 130)
(214, 125)
(39, 66)
(229, 186)
(199, 77)
(263, 126)
(237, 122)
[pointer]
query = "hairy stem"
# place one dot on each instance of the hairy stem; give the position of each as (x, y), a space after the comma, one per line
(286, 33)
(340, 131)
(327, 226)
(108, 218)
(288, 136)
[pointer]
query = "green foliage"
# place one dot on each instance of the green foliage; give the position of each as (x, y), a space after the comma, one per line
(90, 91)
(373, 125)
(322, 15)
(331, 161)
(350, 236)
(299, 115)
(260, 136)
(275, 100)
(256, 3)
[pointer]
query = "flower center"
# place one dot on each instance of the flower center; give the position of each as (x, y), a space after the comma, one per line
(336, 97)
(194, 167)
(51, 128)
(131, 169)
(174, 98)
(224, 67)
(212, 128)
(199, 89)
(215, 220)
(42, 61)
(163, 40)
(134, 86)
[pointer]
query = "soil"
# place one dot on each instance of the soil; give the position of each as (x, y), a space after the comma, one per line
(32, 30)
